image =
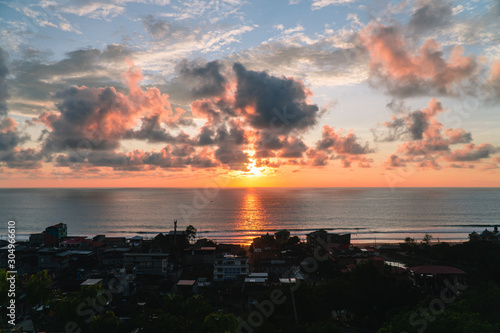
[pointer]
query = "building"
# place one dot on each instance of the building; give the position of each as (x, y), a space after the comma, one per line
(114, 241)
(229, 267)
(37, 239)
(114, 257)
(55, 233)
(436, 278)
(199, 257)
(147, 263)
(187, 287)
(264, 248)
(331, 240)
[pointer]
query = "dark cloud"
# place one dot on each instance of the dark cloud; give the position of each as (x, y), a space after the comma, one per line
(151, 130)
(162, 30)
(341, 144)
(317, 158)
(205, 80)
(230, 146)
(429, 141)
(22, 159)
(429, 15)
(98, 118)
(394, 161)
(471, 152)
(418, 124)
(10, 137)
(36, 78)
(4, 93)
(271, 102)
(415, 125)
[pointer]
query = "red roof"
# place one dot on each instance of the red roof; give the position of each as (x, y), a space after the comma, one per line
(435, 270)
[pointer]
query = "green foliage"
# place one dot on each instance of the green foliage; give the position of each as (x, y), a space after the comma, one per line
(475, 311)
(217, 322)
(106, 323)
(185, 315)
(4, 286)
(37, 289)
(371, 295)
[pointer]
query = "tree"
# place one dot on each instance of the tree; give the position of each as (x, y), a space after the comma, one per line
(106, 323)
(427, 239)
(219, 322)
(191, 233)
(38, 289)
(282, 236)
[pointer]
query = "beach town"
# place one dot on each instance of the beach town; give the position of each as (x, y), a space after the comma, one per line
(324, 283)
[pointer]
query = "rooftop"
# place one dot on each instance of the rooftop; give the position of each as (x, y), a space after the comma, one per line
(435, 270)
(91, 282)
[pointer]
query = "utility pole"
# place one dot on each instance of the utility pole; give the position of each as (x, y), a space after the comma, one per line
(175, 232)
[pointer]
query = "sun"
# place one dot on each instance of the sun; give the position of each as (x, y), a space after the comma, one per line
(253, 170)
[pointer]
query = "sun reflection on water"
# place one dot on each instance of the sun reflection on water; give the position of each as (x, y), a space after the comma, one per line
(251, 216)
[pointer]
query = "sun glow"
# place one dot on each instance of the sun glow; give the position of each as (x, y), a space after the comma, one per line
(253, 170)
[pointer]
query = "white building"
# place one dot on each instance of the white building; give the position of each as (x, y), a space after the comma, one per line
(229, 267)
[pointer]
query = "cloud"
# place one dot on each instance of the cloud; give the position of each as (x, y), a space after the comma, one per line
(268, 101)
(471, 152)
(22, 158)
(428, 140)
(318, 4)
(92, 8)
(341, 144)
(429, 15)
(269, 144)
(10, 138)
(100, 117)
(164, 30)
(204, 80)
(4, 93)
(404, 71)
(317, 158)
(394, 161)
(35, 80)
(336, 59)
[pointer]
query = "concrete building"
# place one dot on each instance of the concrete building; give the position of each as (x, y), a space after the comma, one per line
(229, 267)
(147, 263)
(55, 233)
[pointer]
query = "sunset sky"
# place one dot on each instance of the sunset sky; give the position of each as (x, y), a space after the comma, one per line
(137, 93)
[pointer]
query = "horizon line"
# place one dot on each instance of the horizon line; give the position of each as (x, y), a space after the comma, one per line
(237, 187)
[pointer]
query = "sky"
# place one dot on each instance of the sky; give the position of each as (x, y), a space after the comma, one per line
(298, 93)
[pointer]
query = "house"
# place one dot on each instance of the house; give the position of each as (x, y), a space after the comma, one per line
(200, 260)
(254, 285)
(436, 278)
(114, 257)
(48, 259)
(187, 287)
(115, 241)
(91, 283)
(263, 248)
(229, 267)
(147, 263)
(136, 240)
(36, 240)
(486, 235)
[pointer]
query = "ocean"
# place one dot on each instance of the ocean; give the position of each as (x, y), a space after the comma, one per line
(236, 215)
